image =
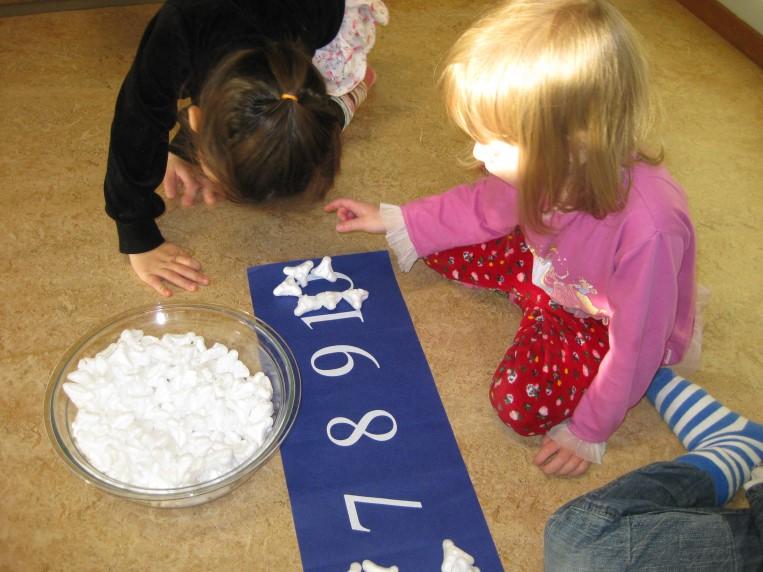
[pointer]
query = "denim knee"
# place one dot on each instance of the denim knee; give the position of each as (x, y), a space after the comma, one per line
(584, 536)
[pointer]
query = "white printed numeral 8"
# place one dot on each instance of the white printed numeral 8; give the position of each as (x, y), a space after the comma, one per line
(359, 429)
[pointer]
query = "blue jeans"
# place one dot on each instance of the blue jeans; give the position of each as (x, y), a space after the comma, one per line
(660, 517)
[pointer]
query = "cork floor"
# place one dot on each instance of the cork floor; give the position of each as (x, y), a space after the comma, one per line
(62, 274)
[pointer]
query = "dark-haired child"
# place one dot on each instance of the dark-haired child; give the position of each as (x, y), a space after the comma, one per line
(272, 83)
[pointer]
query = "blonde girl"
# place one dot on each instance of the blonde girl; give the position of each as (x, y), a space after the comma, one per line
(575, 223)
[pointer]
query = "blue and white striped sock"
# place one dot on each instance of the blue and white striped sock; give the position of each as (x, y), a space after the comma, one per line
(720, 442)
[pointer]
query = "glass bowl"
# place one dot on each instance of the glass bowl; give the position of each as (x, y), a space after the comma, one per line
(259, 347)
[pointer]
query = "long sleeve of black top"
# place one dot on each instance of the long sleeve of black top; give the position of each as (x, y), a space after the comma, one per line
(179, 47)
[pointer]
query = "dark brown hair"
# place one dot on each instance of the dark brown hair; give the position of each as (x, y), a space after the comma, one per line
(258, 144)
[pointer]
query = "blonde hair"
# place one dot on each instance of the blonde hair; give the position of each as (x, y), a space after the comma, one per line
(565, 81)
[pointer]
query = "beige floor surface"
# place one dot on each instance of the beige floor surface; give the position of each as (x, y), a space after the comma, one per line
(61, 274)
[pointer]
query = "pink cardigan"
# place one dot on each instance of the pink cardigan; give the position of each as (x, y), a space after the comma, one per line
(634, 269)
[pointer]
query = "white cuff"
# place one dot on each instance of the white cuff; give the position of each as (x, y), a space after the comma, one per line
(397, 236)
(692, 358)
(345, 110)
(593, 452)
(757, 478)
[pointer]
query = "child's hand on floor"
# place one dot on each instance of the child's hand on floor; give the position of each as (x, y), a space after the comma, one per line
(356, 215)
(553, 459)
(168, 263)
(187, 180)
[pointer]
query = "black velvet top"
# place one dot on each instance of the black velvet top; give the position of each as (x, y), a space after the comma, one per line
(180, 46)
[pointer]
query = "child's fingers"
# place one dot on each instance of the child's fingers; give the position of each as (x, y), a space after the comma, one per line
(345, 214)
(331, 206)
(189, 273)
(557, 462)
(582, 468)
(345, 204)
(572, 464)
(189, 195)
(191, 188)
(553, 459)
(156, 283)
(170, 185)
(188, 261)
(173, 277)
(351, 225)
(546, 451)
(210, 197)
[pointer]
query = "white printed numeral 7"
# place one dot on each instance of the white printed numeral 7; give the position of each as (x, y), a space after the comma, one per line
(352, 511)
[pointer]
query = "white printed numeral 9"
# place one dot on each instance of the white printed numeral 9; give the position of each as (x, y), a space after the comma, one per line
(347, 367)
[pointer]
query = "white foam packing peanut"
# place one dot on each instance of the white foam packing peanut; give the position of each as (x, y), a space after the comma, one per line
(324, 270)
(369, 566)
(288, 287)
(355, 297)
(299, 272)
(456, 560)
(327, 300)
(169, 412)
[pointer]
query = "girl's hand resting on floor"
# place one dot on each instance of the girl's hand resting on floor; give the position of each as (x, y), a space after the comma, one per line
(168, 263)
(189, 182)
(356, 215)
(553, 459)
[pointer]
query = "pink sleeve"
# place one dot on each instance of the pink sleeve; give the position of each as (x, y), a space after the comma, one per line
(466, 214)
(643, 297)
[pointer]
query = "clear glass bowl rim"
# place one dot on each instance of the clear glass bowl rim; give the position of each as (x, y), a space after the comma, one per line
(239, 474)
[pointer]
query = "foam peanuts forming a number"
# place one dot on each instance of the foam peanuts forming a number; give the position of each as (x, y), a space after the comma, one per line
(297, 278)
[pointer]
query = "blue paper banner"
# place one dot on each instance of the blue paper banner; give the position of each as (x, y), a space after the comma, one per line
(372, 466)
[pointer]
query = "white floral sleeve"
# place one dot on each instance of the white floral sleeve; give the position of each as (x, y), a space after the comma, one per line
(343, 61)
(397, 236)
